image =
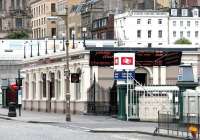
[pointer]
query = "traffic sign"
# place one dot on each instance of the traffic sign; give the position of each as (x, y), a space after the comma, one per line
(122, 75)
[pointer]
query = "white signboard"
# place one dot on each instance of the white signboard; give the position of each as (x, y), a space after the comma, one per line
(124, 61)
(19, 97)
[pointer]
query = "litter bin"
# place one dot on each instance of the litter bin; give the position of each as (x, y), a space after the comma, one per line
(12, 110)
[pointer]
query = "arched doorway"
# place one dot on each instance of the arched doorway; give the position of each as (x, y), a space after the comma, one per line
(142, 75)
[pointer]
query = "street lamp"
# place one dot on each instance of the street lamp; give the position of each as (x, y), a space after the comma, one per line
(63, 37)
(84, 32)
(54, 43)
(73, 36)
(46, 41)
(31, 44)
(67, 95)
(67, 71)
(4, 87)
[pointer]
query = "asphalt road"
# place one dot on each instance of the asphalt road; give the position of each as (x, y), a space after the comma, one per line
(14, 130)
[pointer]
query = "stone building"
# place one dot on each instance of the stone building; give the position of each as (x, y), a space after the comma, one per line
(14, 16)
(189, 3)
(44, 84)
(42, 23)
(103, 28)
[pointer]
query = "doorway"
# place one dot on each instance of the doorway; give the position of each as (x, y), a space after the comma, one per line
(141, 78)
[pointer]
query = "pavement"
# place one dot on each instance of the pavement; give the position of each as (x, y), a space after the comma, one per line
(90, 123)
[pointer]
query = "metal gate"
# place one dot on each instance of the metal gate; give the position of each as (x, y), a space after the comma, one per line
(150, 99)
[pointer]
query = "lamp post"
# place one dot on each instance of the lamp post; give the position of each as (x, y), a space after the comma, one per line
(31, 49)
(84, 31)
(63, 37)
(67, 71)
(4, 86)
(46, 41)
(54, 43)
(19, 92)
(73, 36)
(67, 95)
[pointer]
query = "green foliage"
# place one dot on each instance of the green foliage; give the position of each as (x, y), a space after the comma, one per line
(183, 41)
(18, 35)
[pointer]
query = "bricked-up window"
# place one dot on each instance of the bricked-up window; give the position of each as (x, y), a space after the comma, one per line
(53, 7)
(18, 23)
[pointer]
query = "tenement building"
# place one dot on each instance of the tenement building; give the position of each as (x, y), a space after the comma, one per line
(42, 23)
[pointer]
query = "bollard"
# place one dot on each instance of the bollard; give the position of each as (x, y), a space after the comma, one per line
(12, 110)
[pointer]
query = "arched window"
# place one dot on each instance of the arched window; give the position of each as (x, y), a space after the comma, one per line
(78, 87)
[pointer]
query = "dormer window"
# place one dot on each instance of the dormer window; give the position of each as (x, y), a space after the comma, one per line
(184, 12)
(195, 12)
(174, 12)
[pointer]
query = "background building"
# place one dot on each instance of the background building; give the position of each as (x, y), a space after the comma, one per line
(184, 23)
(14, 16)
(103, 28)
(190, 3)
(74, 18)
(150, 28)
(42, 25)
(157, 28)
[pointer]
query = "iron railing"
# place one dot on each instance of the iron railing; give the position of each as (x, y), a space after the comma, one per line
(178, 126)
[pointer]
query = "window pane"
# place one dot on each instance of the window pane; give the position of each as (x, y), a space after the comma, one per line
(160, 33)
(18, 22)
